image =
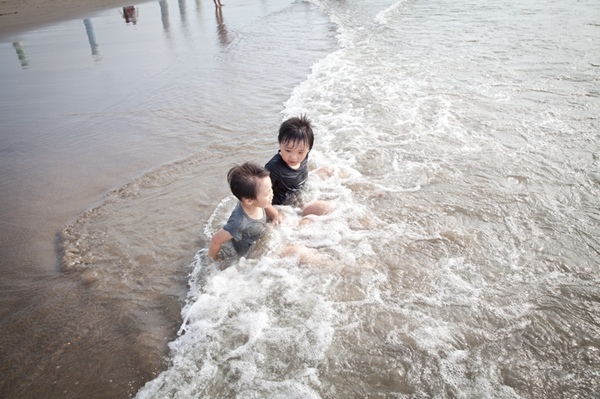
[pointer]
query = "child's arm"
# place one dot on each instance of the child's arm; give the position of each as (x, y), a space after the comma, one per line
(218, 239)
(274, 215)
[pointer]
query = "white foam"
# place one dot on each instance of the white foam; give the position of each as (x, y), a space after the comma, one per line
(385, 16)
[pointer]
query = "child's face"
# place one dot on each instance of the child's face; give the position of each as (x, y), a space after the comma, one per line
(293, 153)
(265, 193)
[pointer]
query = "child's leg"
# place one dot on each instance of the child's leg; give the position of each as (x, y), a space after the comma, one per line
(305, 255)
(317, 208)
(324, 172)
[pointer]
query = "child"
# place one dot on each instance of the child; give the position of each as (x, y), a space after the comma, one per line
(289, 167)
(251, 185)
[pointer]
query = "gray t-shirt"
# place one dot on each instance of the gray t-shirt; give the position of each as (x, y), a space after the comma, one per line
(244, 230)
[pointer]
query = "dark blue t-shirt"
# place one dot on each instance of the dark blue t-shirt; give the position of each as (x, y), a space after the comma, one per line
(286, 181)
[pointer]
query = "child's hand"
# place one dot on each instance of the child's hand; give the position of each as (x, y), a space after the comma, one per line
(275, 216)
(277, 219)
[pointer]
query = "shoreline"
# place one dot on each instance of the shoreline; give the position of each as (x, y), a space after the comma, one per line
(20, 16)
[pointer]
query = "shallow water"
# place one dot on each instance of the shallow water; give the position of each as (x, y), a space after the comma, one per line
(115, 143)
(461, 259)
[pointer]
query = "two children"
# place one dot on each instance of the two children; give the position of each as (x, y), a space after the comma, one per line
(259, 189)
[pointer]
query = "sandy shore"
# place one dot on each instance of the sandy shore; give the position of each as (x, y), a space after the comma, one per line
(20, 15)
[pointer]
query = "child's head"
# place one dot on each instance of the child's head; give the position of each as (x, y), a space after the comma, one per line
(296, 131)
(295, 140)
(251, 182)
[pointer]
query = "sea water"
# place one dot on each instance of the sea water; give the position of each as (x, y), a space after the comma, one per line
(461, 259)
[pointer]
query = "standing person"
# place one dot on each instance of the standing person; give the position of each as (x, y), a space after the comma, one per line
(289, 167)
(251, 185)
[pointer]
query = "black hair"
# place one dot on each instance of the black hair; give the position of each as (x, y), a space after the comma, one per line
(244, 180)
(296, 130)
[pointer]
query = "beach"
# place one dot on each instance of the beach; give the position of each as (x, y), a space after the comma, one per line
(461, 256)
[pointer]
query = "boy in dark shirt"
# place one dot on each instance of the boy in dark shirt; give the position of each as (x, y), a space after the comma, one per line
(289, 168)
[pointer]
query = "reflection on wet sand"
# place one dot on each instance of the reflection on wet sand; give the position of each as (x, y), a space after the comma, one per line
(222, 28)
(164, 15)
(130, 14)
(183, 17)
(21, 54)
(91, 33)
(182, 11)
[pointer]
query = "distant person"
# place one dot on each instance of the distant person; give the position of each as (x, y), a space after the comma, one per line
(289, 168)
(218, 3)
(251, 185)
(130, 13)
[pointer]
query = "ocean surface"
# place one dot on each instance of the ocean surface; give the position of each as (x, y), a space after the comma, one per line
(462, 258)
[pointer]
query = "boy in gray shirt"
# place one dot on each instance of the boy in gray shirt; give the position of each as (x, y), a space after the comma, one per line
(251, 185)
